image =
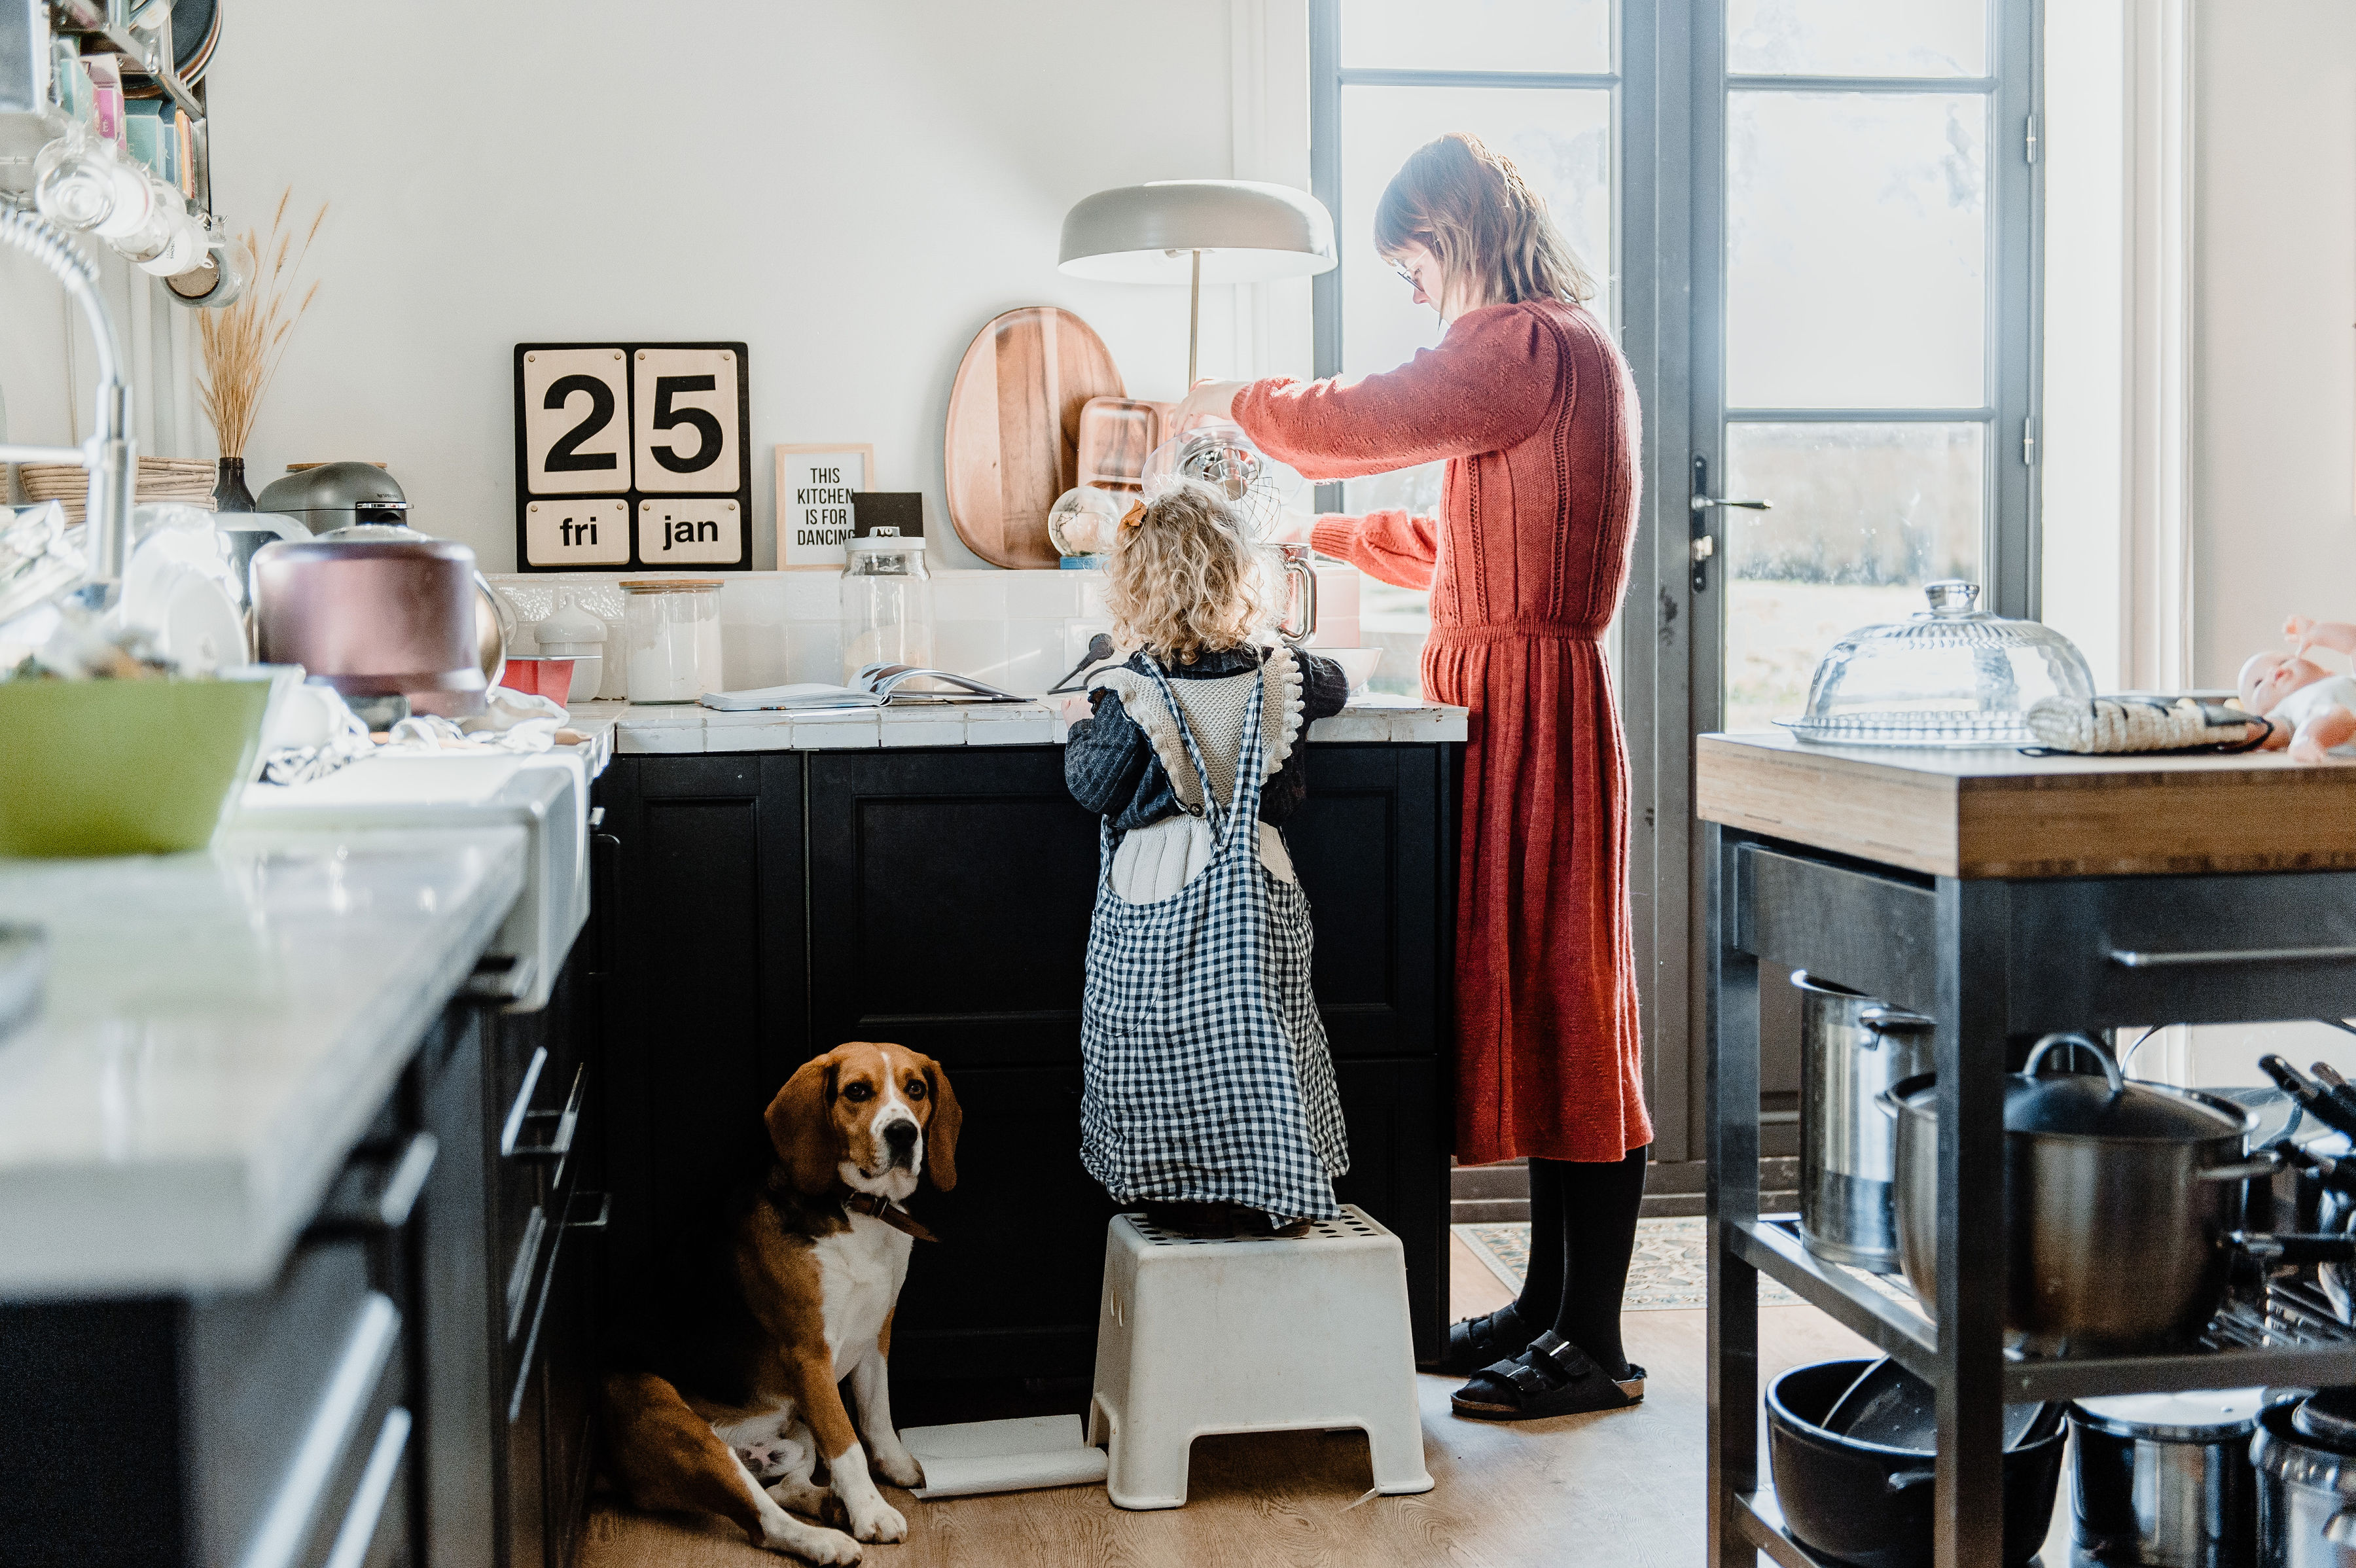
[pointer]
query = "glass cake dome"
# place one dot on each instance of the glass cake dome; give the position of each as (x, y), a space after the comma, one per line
(1954, 675)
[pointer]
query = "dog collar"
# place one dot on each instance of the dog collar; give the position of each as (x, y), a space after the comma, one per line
(875, 1205)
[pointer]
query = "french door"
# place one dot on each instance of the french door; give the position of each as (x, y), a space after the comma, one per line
(1815, 223)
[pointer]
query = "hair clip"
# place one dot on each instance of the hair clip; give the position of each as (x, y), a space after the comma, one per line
(1134, 516)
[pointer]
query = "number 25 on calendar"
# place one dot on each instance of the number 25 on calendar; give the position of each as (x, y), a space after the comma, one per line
(604, 429)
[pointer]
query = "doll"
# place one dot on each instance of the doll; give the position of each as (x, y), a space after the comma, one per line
(2313, 710)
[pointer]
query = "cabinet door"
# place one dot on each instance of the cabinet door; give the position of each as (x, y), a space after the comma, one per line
(704, 1012)
(458, 1327)
(1375, 846)
(1012, 1286)
(949, 900)
(1397, 1116)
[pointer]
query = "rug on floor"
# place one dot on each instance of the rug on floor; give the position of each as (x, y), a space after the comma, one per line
(1669, 1272)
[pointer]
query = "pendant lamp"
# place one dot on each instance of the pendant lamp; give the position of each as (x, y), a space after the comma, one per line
(1196, 232)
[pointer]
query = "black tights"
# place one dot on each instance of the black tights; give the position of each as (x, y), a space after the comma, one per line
(1582, 1232)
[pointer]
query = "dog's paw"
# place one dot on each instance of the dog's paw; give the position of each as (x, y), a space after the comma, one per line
(898, 1465)
(813, 1544)
(877, 1520)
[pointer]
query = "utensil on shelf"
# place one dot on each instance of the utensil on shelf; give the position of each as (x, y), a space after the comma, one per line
(1852, 1047)
(2310, 1095)
(2340, 1092)
(1099, 649)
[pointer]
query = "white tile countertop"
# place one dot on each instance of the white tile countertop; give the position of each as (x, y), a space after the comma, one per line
(221, 1028)
(646, 728)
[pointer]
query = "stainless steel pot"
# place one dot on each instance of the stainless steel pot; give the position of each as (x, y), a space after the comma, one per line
(1852, 1047)
(2165, 1480)
(2119, 1200)
(2306, 1497)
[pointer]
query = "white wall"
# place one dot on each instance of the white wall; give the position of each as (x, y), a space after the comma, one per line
(2275, 367)
(2274, 370)
(850, 189)
(2081, 472)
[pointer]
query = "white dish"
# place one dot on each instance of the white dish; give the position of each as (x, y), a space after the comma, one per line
(1358, 665)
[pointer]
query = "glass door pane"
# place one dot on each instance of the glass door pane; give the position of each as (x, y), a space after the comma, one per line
(1856, 37)
(1865, 515)
(1856, 250)
(1562, 141)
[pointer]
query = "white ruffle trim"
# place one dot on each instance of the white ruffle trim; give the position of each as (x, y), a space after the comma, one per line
(1142, 701)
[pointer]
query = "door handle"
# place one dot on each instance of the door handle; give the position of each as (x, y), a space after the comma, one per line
(1699, 503)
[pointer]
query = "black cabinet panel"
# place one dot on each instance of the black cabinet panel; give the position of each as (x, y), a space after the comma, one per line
(948, 895)
(949, 898)
(1397, 1116)
(702, 1010)
(1011, 1285)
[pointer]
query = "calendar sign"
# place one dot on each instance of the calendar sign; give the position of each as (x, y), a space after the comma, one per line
(689, 531)
(685, 425)
(591, 531)
(576, 433)
(815, 484)
(632, 455)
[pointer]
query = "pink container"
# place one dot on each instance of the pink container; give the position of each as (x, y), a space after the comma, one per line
(549, 678)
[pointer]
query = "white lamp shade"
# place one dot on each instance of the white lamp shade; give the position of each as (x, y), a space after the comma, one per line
(1247, 231)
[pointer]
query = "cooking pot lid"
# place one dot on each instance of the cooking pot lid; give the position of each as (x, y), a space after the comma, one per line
(2192, 1416)
(2083, 1106)
(2330, 1419)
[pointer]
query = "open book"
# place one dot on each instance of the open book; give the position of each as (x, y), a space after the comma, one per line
(873, 687)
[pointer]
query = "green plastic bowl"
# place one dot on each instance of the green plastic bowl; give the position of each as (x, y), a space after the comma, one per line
(93, 767)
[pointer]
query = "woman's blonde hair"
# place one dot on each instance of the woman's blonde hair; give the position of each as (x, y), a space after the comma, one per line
(1182, 579)
(1474, 211)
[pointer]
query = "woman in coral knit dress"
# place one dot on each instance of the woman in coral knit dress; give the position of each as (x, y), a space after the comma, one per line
(1529, 401)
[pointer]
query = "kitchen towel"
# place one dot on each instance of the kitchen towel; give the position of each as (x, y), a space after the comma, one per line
(1017, 1455)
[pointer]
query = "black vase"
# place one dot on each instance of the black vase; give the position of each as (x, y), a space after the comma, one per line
(229, 493)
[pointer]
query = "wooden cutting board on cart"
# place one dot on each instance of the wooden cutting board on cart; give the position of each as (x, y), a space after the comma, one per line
(1012, 444)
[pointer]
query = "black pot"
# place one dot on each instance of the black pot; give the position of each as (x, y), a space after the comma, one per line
(1868, 1505)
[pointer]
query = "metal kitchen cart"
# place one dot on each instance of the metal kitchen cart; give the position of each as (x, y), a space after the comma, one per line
(2006, 896)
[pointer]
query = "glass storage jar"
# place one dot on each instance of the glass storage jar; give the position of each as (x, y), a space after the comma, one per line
(887, 602)
(1953, 675)
(672, 626)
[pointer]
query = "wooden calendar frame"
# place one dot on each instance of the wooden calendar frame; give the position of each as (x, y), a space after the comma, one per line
(630, 505)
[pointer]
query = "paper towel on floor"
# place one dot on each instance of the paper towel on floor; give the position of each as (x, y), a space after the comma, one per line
(1017, 1455)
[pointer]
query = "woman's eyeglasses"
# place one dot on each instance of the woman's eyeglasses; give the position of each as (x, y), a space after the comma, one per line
(1405, 276)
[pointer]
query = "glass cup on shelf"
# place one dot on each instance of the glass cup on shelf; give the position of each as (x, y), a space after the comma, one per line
(73, 181)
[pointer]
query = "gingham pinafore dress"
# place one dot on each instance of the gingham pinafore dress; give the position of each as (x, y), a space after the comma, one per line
(1207, 1077)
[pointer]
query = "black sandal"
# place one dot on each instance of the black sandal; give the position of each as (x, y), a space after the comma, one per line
(1553, 1376)
(1476, 1342)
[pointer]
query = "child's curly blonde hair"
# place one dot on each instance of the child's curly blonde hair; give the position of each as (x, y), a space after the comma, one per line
(1183, 578)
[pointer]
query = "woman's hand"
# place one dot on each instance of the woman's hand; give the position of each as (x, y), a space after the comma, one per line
(1210, 400)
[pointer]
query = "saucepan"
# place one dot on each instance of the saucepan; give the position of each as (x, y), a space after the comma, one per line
(2123, 1203)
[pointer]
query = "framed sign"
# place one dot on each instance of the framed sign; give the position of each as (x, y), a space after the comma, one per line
(633, 455)
(815, 484)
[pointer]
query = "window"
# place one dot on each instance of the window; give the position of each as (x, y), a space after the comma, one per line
(1535, 78)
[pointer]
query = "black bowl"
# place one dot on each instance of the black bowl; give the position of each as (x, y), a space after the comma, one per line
(1865, 1504)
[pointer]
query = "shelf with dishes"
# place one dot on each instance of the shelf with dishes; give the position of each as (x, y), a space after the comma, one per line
(104, 114)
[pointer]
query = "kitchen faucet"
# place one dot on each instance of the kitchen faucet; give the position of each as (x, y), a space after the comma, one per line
(107, 454)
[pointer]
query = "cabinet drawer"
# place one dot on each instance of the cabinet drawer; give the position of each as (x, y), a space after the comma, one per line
(336, 1482)
(2099, 952)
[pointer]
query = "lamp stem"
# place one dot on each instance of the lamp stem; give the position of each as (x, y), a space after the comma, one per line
(1193, 319)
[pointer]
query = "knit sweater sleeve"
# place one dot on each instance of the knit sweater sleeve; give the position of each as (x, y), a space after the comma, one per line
(1394, 547)
(1487, 387)
(1107, 758)
(1325, 690)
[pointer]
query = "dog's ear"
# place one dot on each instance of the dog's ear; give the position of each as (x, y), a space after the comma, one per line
(801, 1126)
(941, 1135)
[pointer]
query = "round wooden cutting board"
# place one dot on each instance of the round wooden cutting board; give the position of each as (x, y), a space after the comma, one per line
(1014, 428)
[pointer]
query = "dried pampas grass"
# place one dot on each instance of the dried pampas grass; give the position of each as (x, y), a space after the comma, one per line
(243, 343)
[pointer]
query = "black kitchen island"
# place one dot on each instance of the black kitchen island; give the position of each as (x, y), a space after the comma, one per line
(766, 906)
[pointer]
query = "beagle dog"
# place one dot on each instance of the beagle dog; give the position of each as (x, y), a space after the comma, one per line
(735, 1397)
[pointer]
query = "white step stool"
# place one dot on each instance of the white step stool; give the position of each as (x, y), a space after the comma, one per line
(1197, 1337)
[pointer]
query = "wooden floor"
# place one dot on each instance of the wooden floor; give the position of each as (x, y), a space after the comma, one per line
(1624, 1490)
